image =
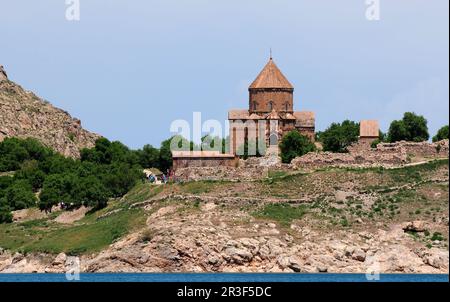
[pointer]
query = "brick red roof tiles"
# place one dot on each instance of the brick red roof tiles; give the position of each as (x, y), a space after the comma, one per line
(271, 77)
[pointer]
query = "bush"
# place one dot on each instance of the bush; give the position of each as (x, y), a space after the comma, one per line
(5, 212)
(293, 145)
(148, 157)
(375, 143)
(91, 192)
(441, 134)
(14, 151)
(339, 136)
(411, 128)
(57, 188)
(20, 195)
(31, 172)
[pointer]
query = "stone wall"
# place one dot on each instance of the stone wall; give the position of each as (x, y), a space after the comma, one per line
(371, 158)
(220, 173)
(185, 162)
(250, 169)
(385, 155)
(363, 144)
(421, 149)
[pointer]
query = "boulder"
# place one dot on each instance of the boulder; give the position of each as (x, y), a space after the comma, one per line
(359, 255)
(415, 226)
(60, 260)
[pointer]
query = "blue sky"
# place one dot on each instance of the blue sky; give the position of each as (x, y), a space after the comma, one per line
(127, 69)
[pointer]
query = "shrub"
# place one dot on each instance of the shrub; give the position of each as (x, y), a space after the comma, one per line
(5, 212)
(375, 143)
(441, 134)
(339, 136)
(294, 144)
(437, 236)
(20, 195)
(14, 151)
(411, 128)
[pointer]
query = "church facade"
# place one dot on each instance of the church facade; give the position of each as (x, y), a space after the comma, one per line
(270, 114)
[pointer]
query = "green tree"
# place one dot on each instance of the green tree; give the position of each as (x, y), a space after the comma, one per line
(14, 151)
(19, 195)
(339, 136)
(5, 182)
(165, 156)
(31, 172)
(5, 212)
(293, 144)
(148, 157)
(441, 134)
(12, 154)
(120, 178)
(411, 128)
(57, 188)
(90, 192)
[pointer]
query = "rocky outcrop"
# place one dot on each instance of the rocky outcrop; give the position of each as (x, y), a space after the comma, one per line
(23, 114)
(211, 241)
(3, 75)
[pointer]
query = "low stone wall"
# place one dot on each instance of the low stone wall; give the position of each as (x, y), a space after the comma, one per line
(186, 162)
(250, 169)
(363, 144)
(421, 149)
(372, 158)
(385, 155)
(220, 173)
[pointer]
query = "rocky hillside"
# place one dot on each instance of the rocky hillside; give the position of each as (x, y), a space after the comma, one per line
(23, 114)
(333, 220)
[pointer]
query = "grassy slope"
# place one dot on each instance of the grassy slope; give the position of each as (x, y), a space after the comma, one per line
(88, 235)
(93, 233)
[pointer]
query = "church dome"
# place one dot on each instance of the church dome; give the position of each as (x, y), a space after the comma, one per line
(271, 77)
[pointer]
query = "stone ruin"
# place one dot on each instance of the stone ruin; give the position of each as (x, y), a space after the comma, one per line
(386, 155)
(417, 149)
(250, 169)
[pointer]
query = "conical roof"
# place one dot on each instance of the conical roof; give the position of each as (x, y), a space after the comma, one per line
(271, 77)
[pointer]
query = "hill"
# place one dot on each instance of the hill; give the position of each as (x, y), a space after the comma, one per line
(23, 114)
(329, 220)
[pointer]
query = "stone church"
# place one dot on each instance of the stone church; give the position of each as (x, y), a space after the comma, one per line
(270, 113)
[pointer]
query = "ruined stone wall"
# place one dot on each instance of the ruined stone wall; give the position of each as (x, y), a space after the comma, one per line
(250, 169)
(421, 149)
(185, 162)
(372, 158)
(363, 144)
(385, 155)
(220, 173)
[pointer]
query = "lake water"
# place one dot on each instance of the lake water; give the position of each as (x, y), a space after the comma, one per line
(222, 277)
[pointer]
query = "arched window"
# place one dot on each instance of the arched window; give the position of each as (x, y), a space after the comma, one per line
(286, 106)
(255, 106)
(270, 105)
(273, 139)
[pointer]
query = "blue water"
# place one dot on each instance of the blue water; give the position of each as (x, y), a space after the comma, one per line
(223, 277)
